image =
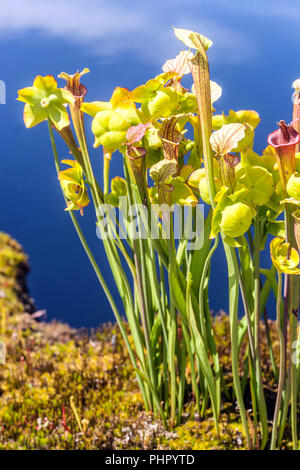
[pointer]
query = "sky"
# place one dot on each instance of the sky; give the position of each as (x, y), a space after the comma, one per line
(254, 58)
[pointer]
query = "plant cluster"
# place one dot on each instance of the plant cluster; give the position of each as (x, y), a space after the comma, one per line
(66, 389)
(177, 151)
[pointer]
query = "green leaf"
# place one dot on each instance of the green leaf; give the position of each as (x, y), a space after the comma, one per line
(293, 186)
(188, 103)
(162, 104)
(259, 182)
(73, 186)
(284, 257)
(95, 107)
(203, 188)
(276, 228)
(48, 84)
(109, 129)
(30, 95)
(118, 188)
(247, 269)
(163, 78)
(59, 116)
(33, 115)
(231, 242)
(181, 193)
(152, 139)
(270, 274)
(44, 100)
(244, 116)
(221, 199)
(236, 219)
(195, 177)
(118, 185)
(153, 156)
(144, 93)
(240, 194)
(127, 109)
(192, 39)
(185, 172)
(249, 157)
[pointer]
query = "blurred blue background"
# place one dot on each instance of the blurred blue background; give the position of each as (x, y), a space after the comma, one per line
(254, 58)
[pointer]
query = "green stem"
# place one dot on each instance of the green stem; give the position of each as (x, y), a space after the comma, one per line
(181, 388)
(156, 283)
(264, 295)
(270, 347)
(109, 245)
(233, 277)
(291, 311)
(106, 165)
(207, 328)
(247, 312)
(144, 314)
(253, 390)
(282, 372)
(286, 397)
(173, 323)
(204, 366)
(294, 324)
(195, 386)
(146, 278)
(260, 392)
(96, 268)
(138, 255)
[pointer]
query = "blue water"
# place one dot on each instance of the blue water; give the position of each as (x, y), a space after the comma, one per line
(61, 279)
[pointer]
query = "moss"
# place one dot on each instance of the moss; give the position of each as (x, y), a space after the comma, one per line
(48, 363)
(202, 436)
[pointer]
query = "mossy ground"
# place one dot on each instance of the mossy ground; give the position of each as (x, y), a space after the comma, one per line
(48, 363)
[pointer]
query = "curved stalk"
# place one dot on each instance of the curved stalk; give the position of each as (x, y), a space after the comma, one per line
(106, 165)
(260, 391)
(282, 372)
(291, 313)
(173, 323)
(109, 246)
(141, 281)
(286, 397)
(233, 270)
(200, 71)
(207, 331)
(97, 270)
(200, 349)
(247, 312)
